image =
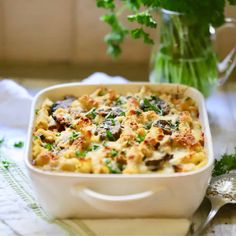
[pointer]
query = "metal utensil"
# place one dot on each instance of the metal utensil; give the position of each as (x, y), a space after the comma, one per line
(221, 191)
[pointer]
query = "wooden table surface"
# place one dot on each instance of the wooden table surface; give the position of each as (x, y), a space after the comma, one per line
(221, 106)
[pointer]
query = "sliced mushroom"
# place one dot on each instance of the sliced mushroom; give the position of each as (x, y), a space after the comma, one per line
(158, 164)
(103, 112)
(110, 129)
(168, 157)
(154, 165)
(110, 112)
(164, 107)
(164, 125)
(63, 103)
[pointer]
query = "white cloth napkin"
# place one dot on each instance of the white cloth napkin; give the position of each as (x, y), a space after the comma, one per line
(15, 104)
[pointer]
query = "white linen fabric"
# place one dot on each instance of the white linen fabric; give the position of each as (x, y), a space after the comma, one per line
(20, 213)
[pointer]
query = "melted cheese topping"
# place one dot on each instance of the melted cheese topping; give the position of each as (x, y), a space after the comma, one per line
(105, 132)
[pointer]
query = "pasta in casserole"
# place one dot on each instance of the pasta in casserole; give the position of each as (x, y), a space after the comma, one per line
(106, 132)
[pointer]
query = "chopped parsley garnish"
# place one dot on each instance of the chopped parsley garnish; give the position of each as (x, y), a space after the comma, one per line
(102, 92)
(95, 147)
(48, 146)
(122, 113)
(91, 114)
(138, 112)
(225, 164)
(19, 144)
(74, 135)
(128, 143)
(113, 122)
(80, 154)
(5, 164)
(119, 101)
(113, 152)
(36, 111)
(146, 105)
(110, 115)
(110, 135)
(35, 137)
(58, 134)
(2, 141)
(112, 166)
(114, 170)
(148, 125)
(140, 138)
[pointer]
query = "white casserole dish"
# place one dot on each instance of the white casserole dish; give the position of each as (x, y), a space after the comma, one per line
(66, 195)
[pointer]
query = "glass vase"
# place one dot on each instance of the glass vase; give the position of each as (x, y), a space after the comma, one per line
(185, 54)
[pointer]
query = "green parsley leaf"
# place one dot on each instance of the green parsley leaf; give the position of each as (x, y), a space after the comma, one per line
(122, 113)
(113, 122)
(113, 152)
(74, 135)
(140, 138)
(109, 18)
(48, 146)
(91, 114)
(107, 4)
(150, 107)
(36, 111)
(113, 50)
(140, 33)
(5, 164)
(112, 166)
(117, 35)
(205, 13)
(2, 141)
(95, 147)
(110, 115)
(148, 125)
(114, 170)
(138, 112)
(225, 164)
(113, 37)
(119, 101)
(143, 18)
(35, 137)
(19, 144)
(80, 154)
(110, 135)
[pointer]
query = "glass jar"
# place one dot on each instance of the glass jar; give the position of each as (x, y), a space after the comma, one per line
(186, 55)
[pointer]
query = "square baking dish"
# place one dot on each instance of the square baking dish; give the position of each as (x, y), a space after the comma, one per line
(77, 195)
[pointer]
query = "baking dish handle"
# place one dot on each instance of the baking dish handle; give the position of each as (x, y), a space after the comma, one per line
(77, 190)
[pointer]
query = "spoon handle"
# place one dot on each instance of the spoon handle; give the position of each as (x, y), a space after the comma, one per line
(215, 206)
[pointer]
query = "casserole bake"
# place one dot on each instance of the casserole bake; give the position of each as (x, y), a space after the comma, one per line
(70, 194)
(106, 132)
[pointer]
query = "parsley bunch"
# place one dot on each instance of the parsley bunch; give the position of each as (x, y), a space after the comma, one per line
(141, 12)
(225, 164)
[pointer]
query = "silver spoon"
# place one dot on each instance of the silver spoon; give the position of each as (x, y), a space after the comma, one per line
(221, 191)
